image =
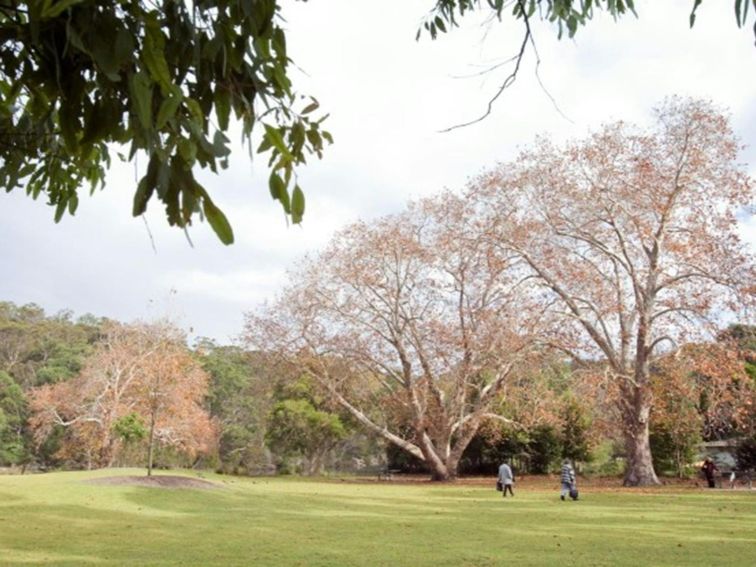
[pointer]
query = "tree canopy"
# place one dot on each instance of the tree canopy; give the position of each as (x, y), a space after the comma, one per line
(613, 250)
(81, 80)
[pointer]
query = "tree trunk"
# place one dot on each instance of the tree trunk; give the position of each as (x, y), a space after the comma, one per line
(640, 466)
(439, 470)
(636, 408)
(151, 446)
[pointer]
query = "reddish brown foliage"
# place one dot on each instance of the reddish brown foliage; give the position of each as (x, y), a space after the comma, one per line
(141, 369)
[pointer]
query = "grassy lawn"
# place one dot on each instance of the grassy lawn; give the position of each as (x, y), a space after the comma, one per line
(57, 519)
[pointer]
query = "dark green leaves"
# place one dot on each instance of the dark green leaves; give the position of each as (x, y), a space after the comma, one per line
(140, 88)
(153, 57)
(168, 107)
(163, 78)
(53, 9)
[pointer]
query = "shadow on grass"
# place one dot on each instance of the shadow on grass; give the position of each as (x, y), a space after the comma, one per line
(66, 534)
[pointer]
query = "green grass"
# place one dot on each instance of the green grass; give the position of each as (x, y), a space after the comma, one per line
(56, 519)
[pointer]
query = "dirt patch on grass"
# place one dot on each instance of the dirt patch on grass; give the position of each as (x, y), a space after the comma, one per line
(159, 481)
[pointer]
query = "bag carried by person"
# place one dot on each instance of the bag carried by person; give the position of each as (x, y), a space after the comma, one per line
(574, 493)
(499, 487)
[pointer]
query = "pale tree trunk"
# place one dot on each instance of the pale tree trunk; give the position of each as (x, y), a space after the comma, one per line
(465, 437)
(315, 461)
(107, 452)
(151, 445)
(640, 466)
(439, 470)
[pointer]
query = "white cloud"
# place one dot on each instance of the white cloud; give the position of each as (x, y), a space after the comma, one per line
(243, 288)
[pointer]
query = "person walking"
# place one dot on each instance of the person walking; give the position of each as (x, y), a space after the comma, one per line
(709, 468)
(568, 480)
(506, 478)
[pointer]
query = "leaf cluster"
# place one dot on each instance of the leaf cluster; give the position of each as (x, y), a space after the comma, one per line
(564, 14)
(79, 78)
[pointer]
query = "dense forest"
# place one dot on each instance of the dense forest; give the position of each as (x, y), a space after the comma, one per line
(238, 412)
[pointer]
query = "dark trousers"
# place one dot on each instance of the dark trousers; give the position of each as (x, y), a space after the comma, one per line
(710, 480)
(505, 488)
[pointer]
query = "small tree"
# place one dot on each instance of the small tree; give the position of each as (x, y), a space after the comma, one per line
(745, 454)
(675, 449)
(576, 431)
(13, 413)
(297, 428)
(544, 447)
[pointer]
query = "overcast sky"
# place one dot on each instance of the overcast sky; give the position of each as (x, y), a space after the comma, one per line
(388, 97)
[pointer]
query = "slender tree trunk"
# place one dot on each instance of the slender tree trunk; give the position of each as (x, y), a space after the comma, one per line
(151, 445)
(105, 454)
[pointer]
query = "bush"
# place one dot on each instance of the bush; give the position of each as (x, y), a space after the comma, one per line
(672, 453)
(607, 460)
(545, 449)
(745, 454)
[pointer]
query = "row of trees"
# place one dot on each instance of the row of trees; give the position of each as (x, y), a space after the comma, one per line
(95, 393)
(225, 407)
(612, 251)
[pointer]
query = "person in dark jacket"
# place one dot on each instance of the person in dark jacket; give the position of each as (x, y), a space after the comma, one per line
(568, 479)
(709, 468)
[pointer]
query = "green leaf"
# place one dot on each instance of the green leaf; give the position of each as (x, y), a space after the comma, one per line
(275, 137)
(218, 221)
(276, 185)
(102, 49)
(297, 205)
(146, 186)
(61, 208)
(140, 88)
(54, 10)
(222, 106)
(220, 149)
(123, 49)
(152, 55)
(314, 105)
(196, 110)
(187, 150)
(168, 108)
(73, 203)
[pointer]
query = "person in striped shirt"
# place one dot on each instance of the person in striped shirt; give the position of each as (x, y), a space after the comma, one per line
(568, 478)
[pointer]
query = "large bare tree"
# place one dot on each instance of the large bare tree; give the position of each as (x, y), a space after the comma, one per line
(632, 235)
(414, 307)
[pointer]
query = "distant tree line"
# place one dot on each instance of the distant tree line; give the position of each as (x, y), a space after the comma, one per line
(224, 407)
